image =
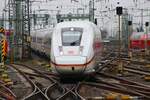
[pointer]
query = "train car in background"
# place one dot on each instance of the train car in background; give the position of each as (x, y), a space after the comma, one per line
(73, 47)
(138, 40)
(41, 41)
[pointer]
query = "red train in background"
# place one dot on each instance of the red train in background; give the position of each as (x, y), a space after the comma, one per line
(139, 40)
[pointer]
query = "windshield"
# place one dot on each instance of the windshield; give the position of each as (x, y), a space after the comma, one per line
(71, 36)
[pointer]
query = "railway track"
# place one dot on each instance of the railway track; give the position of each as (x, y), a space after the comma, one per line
(6, 93)
(136, 90)
(137, 67)
(38, 90)
(133, 66)
(103, 91)
(137, 71)
(34, 86)
(53, 91)
(56, 90)
(70, 95)
(139, 89)
(37, 71)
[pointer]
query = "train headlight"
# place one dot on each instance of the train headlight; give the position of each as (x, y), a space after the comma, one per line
(81, 49)
(61, 50)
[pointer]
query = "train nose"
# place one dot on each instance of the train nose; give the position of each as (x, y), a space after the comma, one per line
(70, 60)
(70, 64)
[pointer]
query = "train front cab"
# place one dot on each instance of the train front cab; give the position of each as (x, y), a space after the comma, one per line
(73, 55)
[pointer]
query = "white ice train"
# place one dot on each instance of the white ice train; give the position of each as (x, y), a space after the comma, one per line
(75, 46)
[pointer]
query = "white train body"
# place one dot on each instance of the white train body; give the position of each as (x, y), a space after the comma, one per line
(74, 48)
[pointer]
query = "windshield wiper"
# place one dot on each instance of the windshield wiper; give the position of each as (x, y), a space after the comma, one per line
(73, 43)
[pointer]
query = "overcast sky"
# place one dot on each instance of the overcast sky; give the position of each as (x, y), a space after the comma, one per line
(66, 6)
(66, 3)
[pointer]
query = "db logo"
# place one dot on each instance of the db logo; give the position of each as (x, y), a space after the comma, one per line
(70, 52)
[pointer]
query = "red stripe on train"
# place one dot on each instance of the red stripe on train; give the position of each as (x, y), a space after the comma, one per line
(70, 65)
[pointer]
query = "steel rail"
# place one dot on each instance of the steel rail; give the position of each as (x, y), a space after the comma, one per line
(31, 83)
(55, 88)
(121, 79)
(137, 71)
(7, 93)
(37, 71)
(34, 86)
(116, 89)
(42, 74)
(140, 89)
(69, 95)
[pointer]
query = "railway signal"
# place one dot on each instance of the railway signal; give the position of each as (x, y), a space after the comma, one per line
(146, 35)
(129, 33)
(147, 24)
(119, 13)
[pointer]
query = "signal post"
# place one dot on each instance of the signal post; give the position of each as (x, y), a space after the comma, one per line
(146, 39)
(119, 12)
(129, 33)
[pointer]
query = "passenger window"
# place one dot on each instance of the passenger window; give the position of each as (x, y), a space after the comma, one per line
(39, 40)
(33, 39)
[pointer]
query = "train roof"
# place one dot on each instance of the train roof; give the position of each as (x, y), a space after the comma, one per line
(42, 32)
(83, 24)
